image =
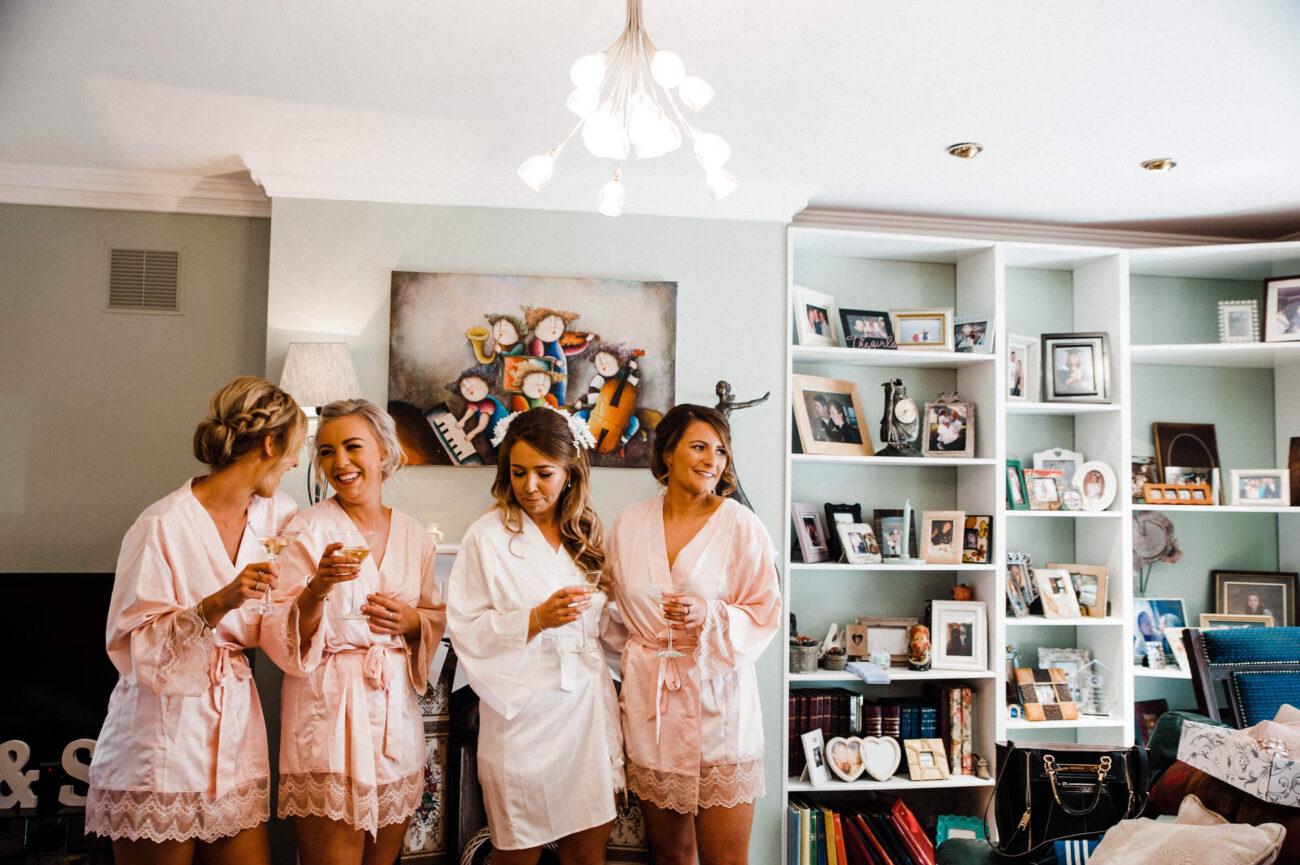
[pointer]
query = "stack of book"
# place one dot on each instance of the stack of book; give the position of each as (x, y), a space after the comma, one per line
(869, 835)
(836, 711)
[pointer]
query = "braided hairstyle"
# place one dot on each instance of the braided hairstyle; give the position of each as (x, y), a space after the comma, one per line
(240, 415)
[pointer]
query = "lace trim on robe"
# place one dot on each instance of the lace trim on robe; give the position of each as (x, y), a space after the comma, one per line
(338, 797)
(185, 656)
(723, 786)
(155, 816)
(715, 632)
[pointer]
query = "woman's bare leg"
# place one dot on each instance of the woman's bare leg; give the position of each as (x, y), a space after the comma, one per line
(723, 834)
(322, 841)
(142, 852)
(671, 835)
(586, 847)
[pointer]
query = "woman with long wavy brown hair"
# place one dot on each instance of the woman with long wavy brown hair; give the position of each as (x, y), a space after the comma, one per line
(525, 628)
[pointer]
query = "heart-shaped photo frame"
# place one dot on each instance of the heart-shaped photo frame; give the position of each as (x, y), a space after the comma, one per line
(844, 755)
(880, 756)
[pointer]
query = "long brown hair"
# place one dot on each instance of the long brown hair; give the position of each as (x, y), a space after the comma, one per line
(546, 431)
(670, 431)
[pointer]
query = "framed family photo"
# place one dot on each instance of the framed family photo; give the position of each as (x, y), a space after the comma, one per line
(1067, 462)
(1257, 593)
(923, 328)
(1238, 321)
(1152, 616)
(1076, 367)
(1020, 584)
(973, 333)
(810, 532)
(891, 533)
(1017, 497)
(1057, 591)
(836, 514)
(859, 543)
(1090, 585)
(1282, 309)
(867, 328)
(959, 635)
(977, 541)
(887, 635)
(1260, 488)
(1043, 487)
(948, 428)
(815, 317)
(1096, 480)
(943, 533)
(1022, 368)
(828, 413)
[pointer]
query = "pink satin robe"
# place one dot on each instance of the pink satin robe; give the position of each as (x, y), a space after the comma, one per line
(182, 753)
(692, 726)
(351, 734)
(550, 754)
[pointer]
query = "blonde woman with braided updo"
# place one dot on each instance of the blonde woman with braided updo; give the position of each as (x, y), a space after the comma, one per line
(180, 769)
(550, 755)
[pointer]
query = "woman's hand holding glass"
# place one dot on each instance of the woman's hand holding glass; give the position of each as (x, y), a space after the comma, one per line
(332, 569)
(251, 584)
(562, 608)
(684, 612)
(390, 616)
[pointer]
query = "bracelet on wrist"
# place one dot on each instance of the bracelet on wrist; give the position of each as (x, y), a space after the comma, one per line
(538, 618)
(323, 598)
(198, 609)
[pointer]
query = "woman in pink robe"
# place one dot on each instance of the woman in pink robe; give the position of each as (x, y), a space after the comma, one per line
(352, 749)
(181, 762)
(691, 724)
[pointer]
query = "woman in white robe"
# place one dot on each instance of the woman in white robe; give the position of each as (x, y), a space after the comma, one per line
(180, 769)
(550, 756)
(704, 566)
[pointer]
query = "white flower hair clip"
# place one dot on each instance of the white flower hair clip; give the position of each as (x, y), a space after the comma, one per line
(582, 437)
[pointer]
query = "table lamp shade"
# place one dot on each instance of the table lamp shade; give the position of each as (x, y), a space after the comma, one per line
(316, 373)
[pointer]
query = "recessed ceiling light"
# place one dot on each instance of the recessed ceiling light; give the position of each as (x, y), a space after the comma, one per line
(1165, 164)
(966, 150)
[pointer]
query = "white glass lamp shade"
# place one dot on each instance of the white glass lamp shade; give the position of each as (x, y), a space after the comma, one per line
(666, 138)
(643, 119)
(695, 93)
(537, 170)
(720, 182)
(583, 102)
(588, 72)
(711, 150)
(667, 69)
(317, 373)
(611, 198)
(603, 136)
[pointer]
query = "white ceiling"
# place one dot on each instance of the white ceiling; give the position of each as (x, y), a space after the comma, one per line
(834, 103)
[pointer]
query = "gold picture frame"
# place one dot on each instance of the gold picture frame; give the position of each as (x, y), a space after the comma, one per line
(926, 759)
(829, 416)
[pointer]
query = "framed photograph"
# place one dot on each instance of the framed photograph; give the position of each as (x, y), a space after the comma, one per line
(1076, 367)
(973, 333)
(923, 328)
(1152, 617)
(1017, 497)
(1270, 488)
(959, 635)
(810, 532)
(926, 759)
(1175, 638)
(1238, 321)
(1096, 481)
(948, 428)
(1045, 695)
(814, 754)
(867, 328)
(1057, 591)
(954, 826)
(1090, 585)
(1069, 662)
(1022, 368)
(1215, 621)
(1066, 462)
(942, 531)
(1144, 472)
(1282, 309)
(1145, 715)
(835, 514)
(890, 532)
(887, 635)
(1184, 444)
(1178, 494)
(1021, 575)
(1044, 489)
(977, 540)
(829, 415)
(1257, 593)
(815, 317)
(859, 543)
(1016, 593)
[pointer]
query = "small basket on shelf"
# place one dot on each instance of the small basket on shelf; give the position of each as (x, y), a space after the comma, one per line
(803, 654)
(835, 659)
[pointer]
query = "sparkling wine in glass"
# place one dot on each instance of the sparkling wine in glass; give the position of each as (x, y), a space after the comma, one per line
(588, 582)
(274, 541)
(669, 596)
(356, 544)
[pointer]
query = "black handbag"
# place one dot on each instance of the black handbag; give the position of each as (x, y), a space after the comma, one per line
(1050, 792)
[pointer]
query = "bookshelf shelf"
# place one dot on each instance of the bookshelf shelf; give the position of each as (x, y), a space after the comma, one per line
(834, 567)
(1257, 355)
(1069, 515)
(886, 357)
(898, 782)
(1083, 722)
(1060, 408)
(1168, 673)
(927, 462)
(1082, 622)
(894, 676)
(1217, 509)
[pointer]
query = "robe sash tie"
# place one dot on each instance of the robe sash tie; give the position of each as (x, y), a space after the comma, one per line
(670, 678)
(228, 671)
(375, 667)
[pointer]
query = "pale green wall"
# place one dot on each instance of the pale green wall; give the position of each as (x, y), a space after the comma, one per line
(1175, 310)
(99, 408)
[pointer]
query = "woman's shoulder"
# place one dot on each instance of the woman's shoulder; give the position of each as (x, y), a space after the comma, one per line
(638, 511)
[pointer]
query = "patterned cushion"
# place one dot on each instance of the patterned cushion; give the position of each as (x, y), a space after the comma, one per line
(1252, 645)
(1261, 694)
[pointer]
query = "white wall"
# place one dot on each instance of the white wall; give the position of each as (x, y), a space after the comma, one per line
(329, 281)
(97, 409)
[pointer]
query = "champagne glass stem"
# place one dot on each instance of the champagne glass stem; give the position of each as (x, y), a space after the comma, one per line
(266, 596)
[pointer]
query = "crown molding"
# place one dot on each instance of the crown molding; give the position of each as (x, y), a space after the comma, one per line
(1005, 230)
(114, 189)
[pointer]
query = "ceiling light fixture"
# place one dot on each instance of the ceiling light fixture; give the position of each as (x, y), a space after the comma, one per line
(1165, 164)
(620, 95)
(965, 150)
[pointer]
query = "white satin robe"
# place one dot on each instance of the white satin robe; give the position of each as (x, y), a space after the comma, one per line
(550, 756)
(692, 726)
(351, 734)
(182, 753)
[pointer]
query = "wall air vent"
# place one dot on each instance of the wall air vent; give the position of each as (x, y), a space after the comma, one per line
(144, 280)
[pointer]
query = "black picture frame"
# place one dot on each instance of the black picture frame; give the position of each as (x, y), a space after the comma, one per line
(1093, 351)
(1184, 444)
(877, 518)
(1276, 590)
(849, 318)
(833, 536)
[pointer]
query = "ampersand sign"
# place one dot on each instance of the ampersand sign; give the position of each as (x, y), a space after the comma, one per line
(14, 755)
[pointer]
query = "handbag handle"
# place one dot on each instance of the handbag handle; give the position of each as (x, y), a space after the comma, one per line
(1049, 766)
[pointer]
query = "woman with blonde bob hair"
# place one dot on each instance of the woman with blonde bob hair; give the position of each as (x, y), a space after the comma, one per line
(525, 628)
(180, 769)
(703, 566)
(351, 736)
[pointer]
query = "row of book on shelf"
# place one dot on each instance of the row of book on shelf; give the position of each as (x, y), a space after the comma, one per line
(886, 834)
(941, 712)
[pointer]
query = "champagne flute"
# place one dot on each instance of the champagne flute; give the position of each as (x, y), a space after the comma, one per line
(356, 544)
(588, 582)
(275, 541)
(668, 596)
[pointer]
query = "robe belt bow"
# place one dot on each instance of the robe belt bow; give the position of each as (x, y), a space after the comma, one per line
(670, 672)
(374, 666)
(229, 668)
